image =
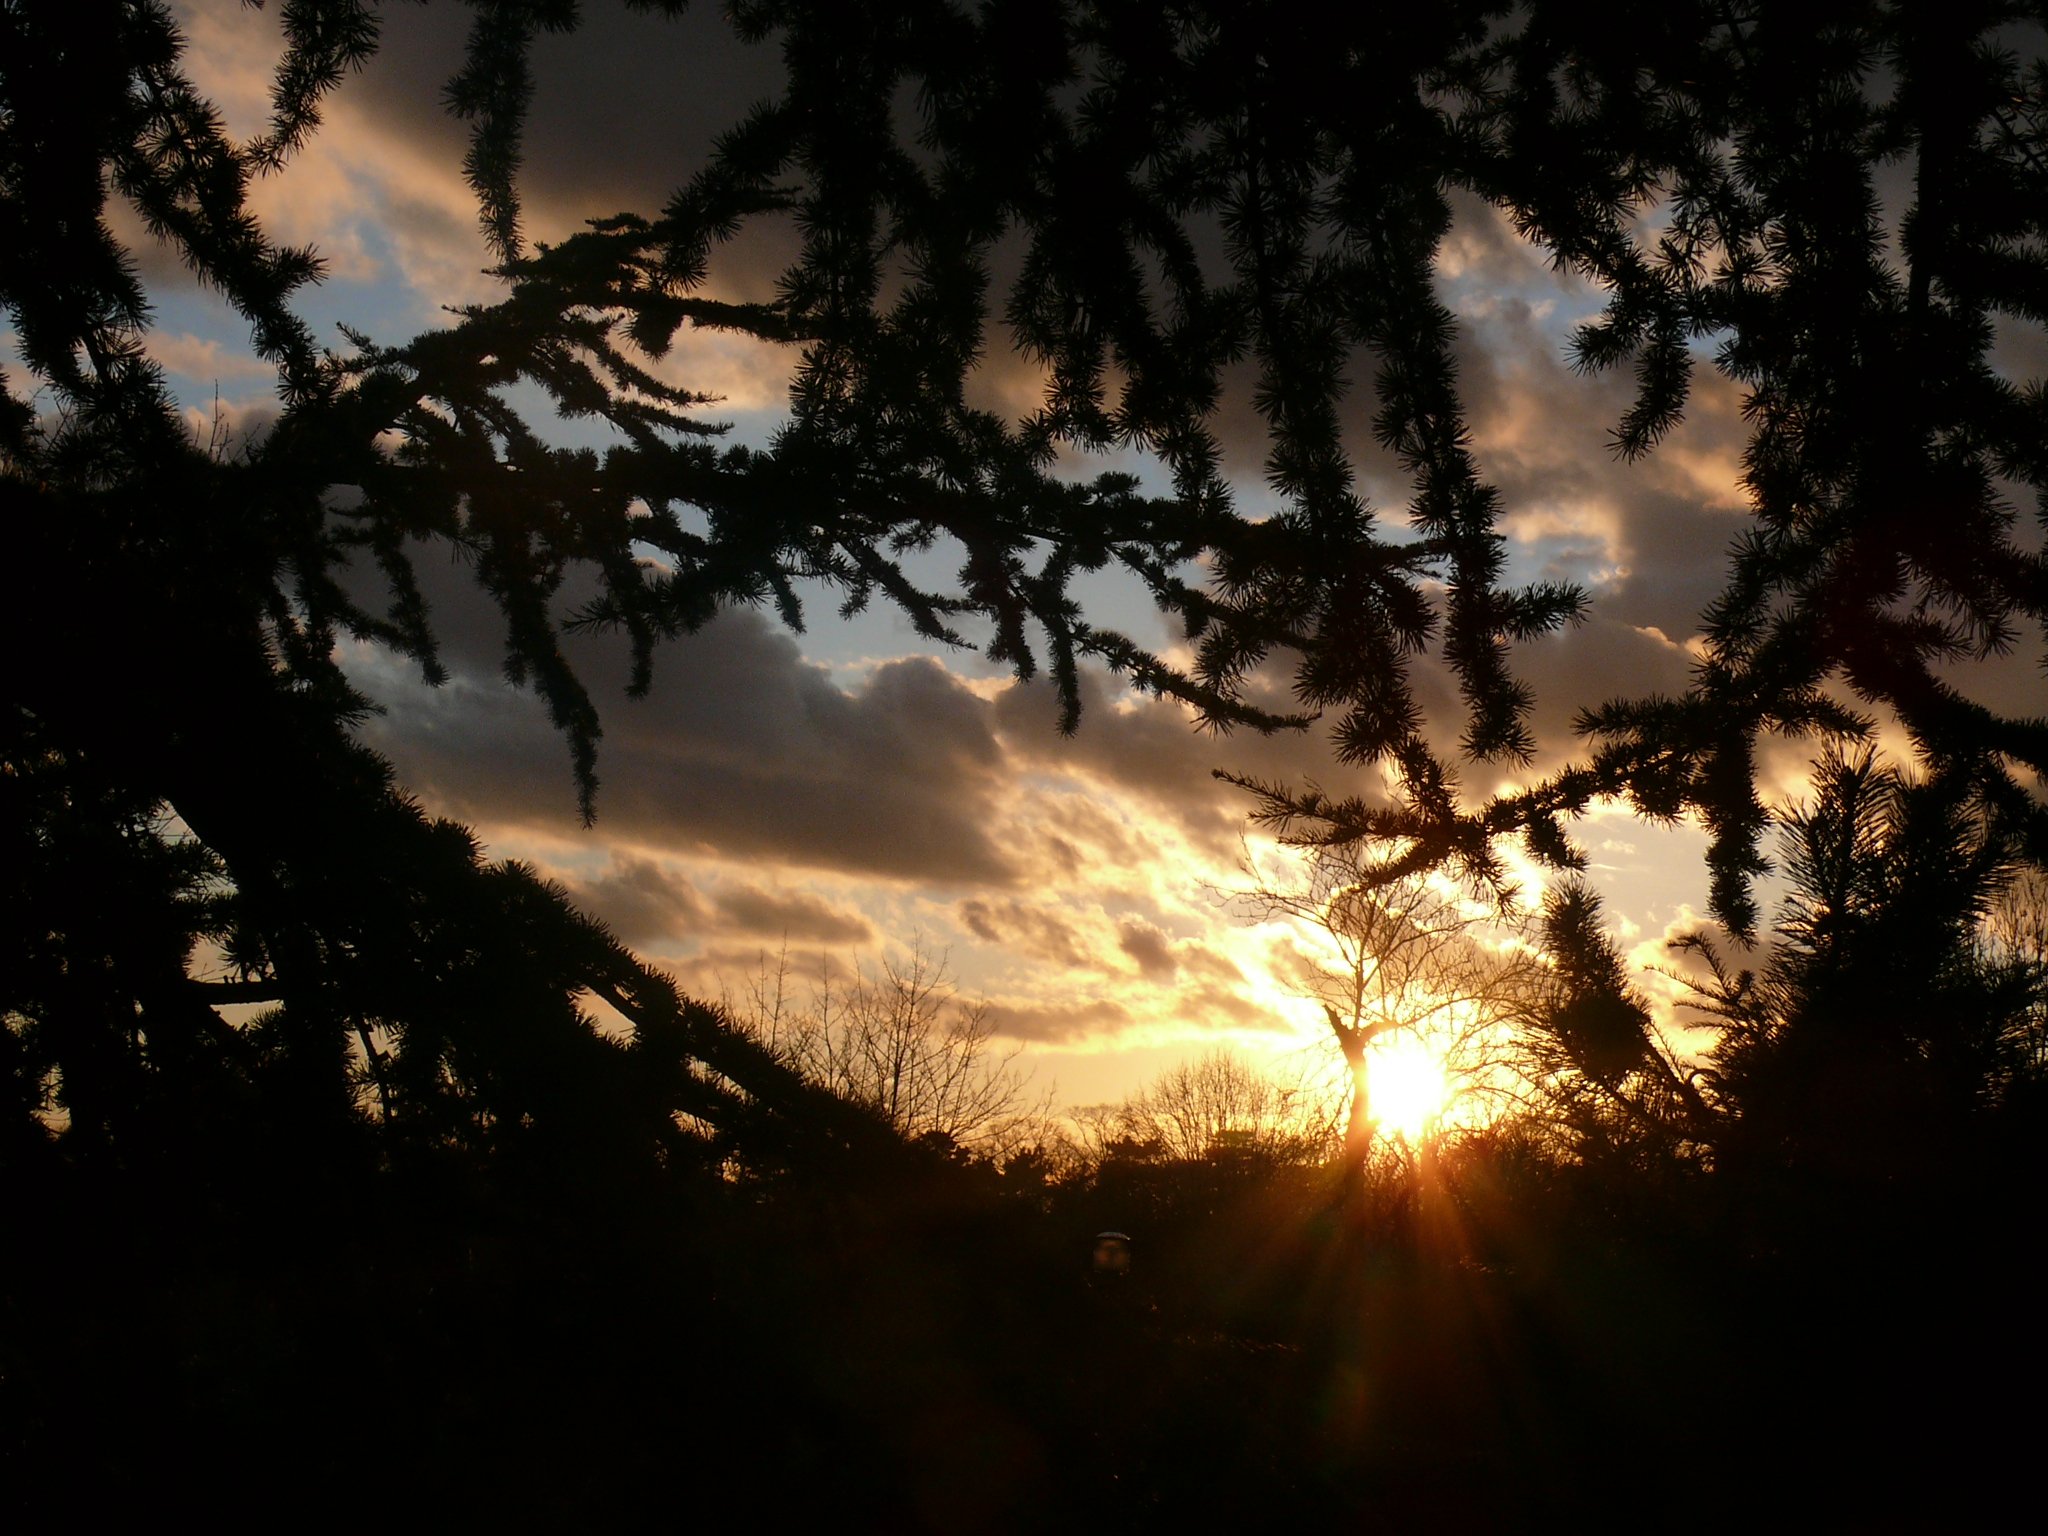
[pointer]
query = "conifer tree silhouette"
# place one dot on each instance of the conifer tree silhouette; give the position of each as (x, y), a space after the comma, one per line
(1188, 189)
(1597, 1059)
(1883, 448)
(1882, 1037)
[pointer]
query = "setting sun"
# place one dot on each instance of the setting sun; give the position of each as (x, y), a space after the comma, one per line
(1407, 1088)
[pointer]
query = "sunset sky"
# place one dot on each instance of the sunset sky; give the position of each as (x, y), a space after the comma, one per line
(852, 790)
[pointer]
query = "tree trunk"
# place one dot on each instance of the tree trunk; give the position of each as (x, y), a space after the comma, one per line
(1351, 1040)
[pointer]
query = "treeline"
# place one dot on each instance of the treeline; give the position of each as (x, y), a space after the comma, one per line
(1782, 1264)
(1781, 1257)
(1890, 1032)
(491, 1262)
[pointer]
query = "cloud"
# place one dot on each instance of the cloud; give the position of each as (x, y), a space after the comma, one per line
(1150, 748)
(642, 901)
(651, 903)
(744, 372)
(1195, 957)
(793, 915)
(1148, 946)
(745, 749)
(1059, 1022)
(1029, 929)
(1604, 658)
(1671, 978)
(624, 111)
(904, 772)
(379, 189)
(205, 359)
(1181, 991)
(1651, 537)
(758, 795)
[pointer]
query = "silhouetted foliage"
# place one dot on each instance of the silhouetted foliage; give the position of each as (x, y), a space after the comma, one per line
(1190, 188)
(1594, 1034)
(1217, 1108)
(902, 1044)
(1885, 1028)
(322, 1156)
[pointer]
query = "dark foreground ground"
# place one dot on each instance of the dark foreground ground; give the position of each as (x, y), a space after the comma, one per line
(1434, 1352)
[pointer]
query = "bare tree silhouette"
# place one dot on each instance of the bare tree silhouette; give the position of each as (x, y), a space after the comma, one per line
(901, 1042)
(1408, 957)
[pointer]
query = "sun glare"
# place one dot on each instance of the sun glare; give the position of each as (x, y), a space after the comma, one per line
(1406, 1086)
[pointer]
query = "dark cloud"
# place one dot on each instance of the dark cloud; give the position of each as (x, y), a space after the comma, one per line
(1059, 1022)
(1649, 541)
(625, 111)
(1027, 929)
(1198, 959)
(1148, 947)
(647, 903)
(1677, 563)
(2010, 681)
(667, 89)
(744, 749)
(1198, 1009)
(2019, 350)
(1147, 744)
(642, 902)
(158, 262)
(1599, 660)
(791, 915)
(747, 750)
(1656, 532)
(1151, 747)
(1212, 1006)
